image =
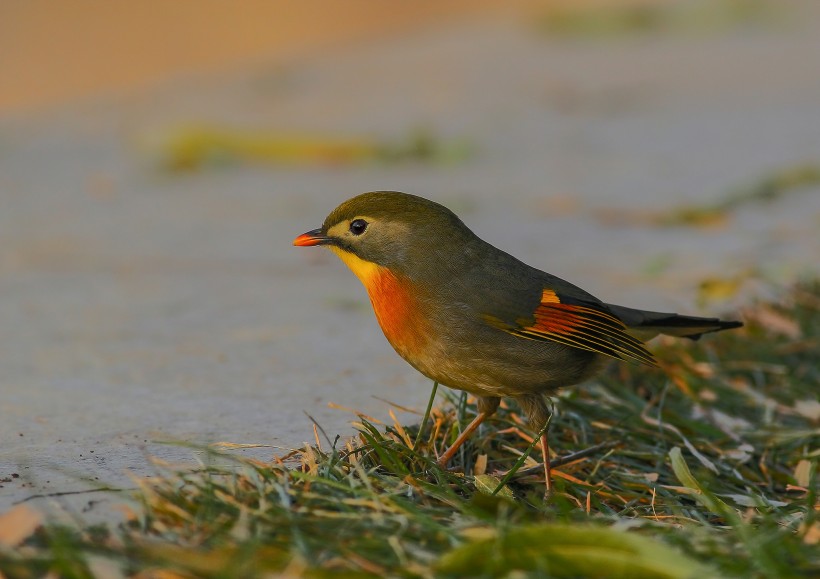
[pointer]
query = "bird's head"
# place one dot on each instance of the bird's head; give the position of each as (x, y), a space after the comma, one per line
(388, 229)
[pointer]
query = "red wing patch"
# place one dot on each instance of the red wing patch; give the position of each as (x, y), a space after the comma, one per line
(584, 327)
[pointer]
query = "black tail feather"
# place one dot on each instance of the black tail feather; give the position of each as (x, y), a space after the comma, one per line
(692, 327)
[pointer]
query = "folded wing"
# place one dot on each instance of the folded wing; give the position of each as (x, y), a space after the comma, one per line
(580, 324)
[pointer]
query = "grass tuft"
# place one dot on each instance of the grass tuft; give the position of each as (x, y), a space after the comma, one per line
(707, 468)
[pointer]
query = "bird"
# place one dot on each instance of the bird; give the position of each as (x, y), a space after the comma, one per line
(474, 318)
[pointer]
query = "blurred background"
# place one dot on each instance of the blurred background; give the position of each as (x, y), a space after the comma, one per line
(156, 161)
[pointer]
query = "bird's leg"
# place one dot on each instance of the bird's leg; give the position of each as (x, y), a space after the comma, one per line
(538, 417)
(545, 453)
(486, 407)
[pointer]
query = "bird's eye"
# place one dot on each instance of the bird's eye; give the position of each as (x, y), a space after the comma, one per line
(357, 226)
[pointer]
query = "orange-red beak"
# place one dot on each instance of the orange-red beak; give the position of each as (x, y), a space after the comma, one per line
(313, 237)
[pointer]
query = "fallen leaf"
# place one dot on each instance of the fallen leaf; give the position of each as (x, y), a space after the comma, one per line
(741, 454)
(808, 408)
(18, 524)
(802, 473)
(486, 483)
(480, 464)
(812, 536)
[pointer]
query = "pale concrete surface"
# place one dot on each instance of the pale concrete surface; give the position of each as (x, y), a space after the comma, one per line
(139, 307)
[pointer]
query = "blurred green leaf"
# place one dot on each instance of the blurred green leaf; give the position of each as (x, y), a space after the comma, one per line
(700, 494)
(193, 147)
(560, 550)
(634, 17)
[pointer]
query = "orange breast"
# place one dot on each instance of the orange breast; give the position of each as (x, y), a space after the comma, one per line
(397, 311)
(395, 304)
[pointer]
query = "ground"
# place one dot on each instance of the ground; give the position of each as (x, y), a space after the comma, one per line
(150, 294)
